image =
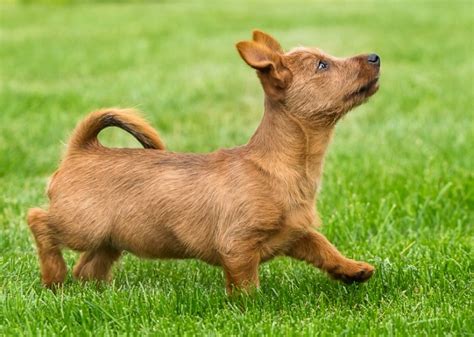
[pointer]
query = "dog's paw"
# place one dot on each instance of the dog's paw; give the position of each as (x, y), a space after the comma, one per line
(352, 272)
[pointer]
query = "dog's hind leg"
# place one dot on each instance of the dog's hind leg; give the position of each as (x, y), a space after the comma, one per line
(96, 264)
(315, 249)
(53, 267)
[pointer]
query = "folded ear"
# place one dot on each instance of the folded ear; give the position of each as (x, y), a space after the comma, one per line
(273, 74)
(267, 40)
(257, 56)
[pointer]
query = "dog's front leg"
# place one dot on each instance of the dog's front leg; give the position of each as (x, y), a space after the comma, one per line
(241, 269)
(315, 249)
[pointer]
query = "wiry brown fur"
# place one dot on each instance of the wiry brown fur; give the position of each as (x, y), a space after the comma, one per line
(234, 207)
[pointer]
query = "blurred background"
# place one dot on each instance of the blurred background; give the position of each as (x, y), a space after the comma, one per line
(398, 181)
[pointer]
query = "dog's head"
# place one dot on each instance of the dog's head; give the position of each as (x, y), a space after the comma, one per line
(312, 85)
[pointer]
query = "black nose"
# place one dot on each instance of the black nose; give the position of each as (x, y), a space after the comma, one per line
(374, 59)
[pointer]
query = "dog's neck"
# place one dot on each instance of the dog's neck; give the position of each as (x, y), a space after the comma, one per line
(287, 149)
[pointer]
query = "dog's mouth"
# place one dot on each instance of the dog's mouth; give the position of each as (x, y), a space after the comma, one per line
(366, 90)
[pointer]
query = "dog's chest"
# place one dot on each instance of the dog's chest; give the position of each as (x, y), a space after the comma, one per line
(300, 218)
(294, 224)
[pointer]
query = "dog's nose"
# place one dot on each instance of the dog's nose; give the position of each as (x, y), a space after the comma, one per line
(374, 59)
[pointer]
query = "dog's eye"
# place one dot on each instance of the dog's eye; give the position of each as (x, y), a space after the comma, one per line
(322, 65)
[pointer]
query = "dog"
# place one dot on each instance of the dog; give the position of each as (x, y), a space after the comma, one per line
(235, 208)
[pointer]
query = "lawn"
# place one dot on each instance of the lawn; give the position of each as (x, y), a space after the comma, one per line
(398, 183)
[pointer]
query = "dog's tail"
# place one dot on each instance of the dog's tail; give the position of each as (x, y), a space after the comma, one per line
(85, 134)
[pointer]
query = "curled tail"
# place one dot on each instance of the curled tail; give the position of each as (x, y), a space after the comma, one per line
(85, 133)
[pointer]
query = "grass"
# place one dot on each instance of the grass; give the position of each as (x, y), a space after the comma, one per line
(398, 182)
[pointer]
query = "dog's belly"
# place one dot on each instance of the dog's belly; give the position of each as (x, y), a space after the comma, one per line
(158, 251)
(162, 243)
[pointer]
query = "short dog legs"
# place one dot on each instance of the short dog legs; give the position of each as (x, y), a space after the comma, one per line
(241, 272)
(96, 265)
(52, 265)
(314, 248)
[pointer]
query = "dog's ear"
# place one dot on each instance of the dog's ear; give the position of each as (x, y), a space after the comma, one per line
(274, 75)
(257, 56)
(267, 40)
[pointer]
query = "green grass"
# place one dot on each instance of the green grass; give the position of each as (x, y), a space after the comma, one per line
(398, 182)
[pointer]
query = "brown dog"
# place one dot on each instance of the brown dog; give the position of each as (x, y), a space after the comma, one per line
(236, 207)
